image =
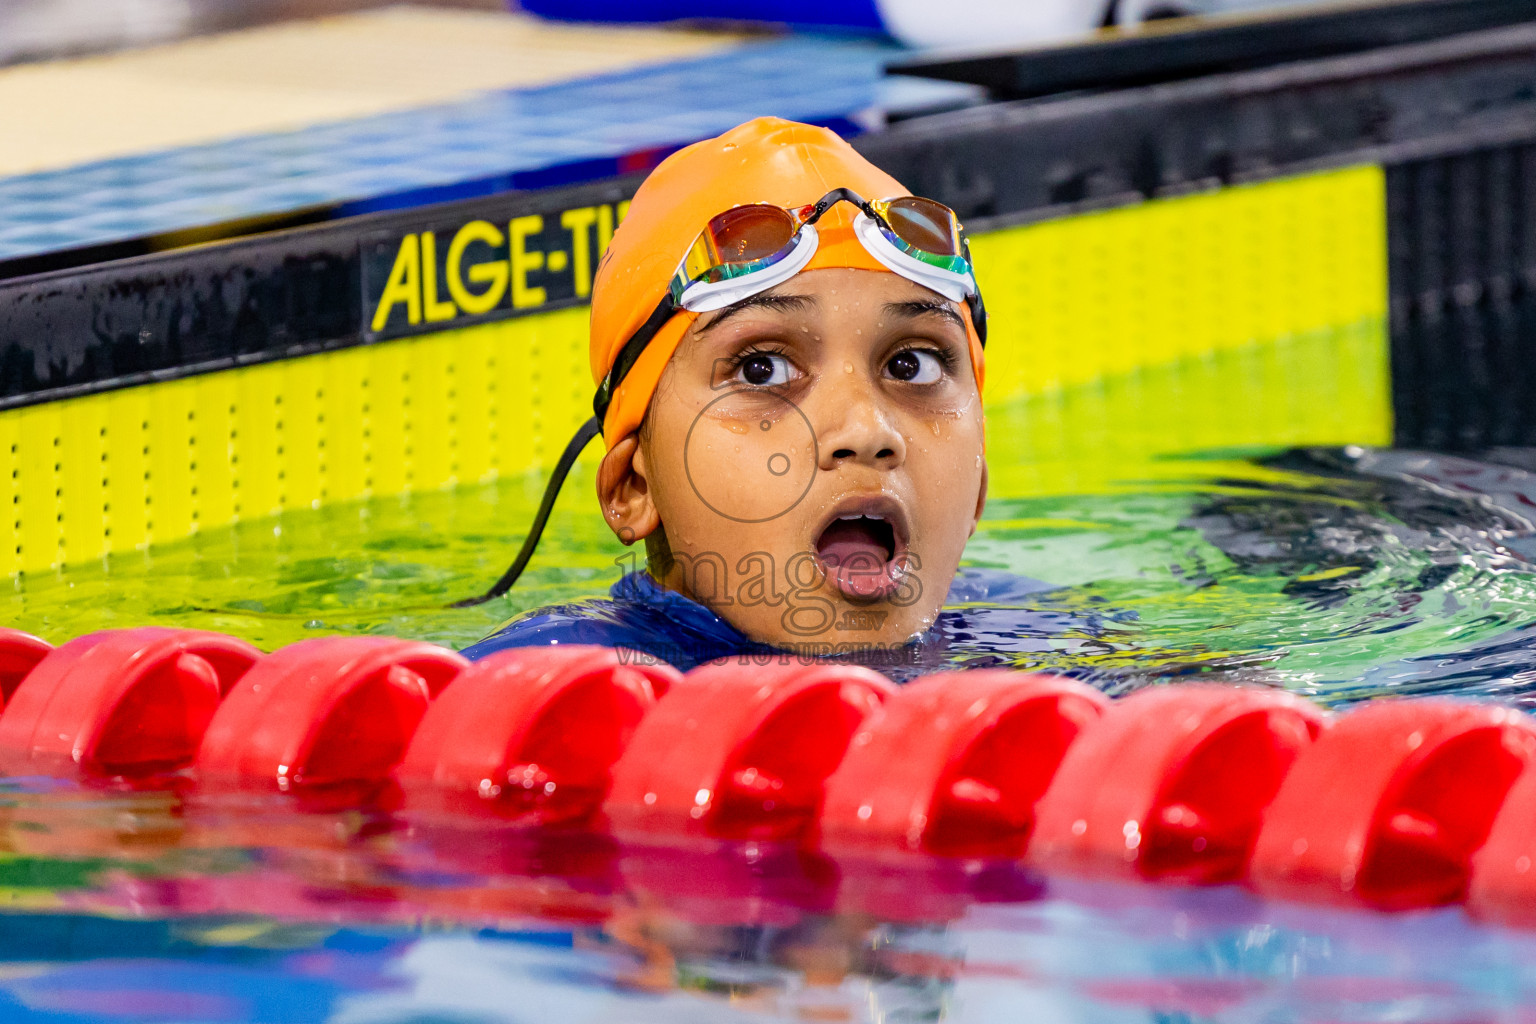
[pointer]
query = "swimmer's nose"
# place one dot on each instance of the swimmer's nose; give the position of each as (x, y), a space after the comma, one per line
(859, 429)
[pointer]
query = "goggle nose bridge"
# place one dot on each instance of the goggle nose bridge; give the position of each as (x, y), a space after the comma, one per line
(822, 206)
(813, 212)
(838, 195)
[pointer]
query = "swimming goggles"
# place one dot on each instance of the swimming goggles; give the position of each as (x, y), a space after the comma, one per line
(749, 249)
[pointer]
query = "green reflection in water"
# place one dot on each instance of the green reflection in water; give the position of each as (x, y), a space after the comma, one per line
(1099, 489)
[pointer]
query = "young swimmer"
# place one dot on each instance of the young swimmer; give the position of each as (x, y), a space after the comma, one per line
(788, 351)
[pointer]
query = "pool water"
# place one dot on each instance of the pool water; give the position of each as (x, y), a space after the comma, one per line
(1340, 573)
(146, 907)
(1261, 549)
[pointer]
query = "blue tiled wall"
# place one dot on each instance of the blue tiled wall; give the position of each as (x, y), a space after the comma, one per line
(521, 138)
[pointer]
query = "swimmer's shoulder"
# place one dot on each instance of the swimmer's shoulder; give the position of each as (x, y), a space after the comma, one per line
(638, 614)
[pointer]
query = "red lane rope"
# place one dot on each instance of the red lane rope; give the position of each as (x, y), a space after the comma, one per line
(1402, 803)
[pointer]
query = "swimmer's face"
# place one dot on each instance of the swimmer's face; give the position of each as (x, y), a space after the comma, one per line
(813, 457)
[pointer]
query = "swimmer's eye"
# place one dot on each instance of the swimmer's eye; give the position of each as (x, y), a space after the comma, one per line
(764, 369)
(917, 366)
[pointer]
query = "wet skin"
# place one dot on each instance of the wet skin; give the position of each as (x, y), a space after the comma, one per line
(812, 463)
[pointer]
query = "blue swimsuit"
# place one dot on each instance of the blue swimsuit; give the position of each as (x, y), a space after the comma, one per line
(989, 621)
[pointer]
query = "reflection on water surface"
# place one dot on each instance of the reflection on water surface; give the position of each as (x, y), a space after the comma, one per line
(1339, 572)
(151, 906)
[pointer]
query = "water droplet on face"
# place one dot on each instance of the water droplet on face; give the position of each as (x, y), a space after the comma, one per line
(934, 426)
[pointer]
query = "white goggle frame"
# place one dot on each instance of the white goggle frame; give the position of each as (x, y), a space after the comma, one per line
(708, 296)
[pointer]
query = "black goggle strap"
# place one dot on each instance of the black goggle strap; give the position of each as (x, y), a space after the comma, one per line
(584, 435)
(978, 316)
(630, 353)
(977, 306)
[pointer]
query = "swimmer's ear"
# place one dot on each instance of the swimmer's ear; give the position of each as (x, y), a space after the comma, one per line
(624, 492)
(981, 498)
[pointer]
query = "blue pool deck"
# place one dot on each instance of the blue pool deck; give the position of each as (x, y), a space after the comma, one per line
(553, 134)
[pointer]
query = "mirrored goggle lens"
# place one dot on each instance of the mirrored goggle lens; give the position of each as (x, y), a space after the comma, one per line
(742, 235)
(924, 224)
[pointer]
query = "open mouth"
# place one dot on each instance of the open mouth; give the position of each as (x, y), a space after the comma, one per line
(862, 547)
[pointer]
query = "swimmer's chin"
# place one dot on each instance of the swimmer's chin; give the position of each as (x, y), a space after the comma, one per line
(897, 631)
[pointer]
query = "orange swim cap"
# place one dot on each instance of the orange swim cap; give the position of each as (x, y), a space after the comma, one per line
(768, 160)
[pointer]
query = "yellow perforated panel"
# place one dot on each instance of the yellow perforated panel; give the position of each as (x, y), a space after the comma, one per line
(1104, 293)
(1294, 269)
(121, 470)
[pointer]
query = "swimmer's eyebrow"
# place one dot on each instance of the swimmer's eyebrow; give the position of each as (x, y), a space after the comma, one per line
(776, 303)
(912, 310)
